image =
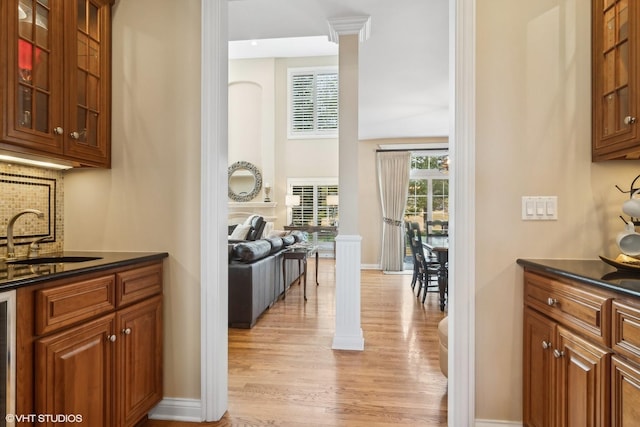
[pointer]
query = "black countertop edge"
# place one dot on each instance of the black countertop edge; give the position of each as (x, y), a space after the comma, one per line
(106, 261)
(593, 272)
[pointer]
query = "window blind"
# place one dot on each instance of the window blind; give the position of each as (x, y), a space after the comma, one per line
(313, 209)
(313, 103)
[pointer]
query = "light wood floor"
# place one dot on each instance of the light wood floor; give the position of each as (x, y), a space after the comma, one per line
(283, 372)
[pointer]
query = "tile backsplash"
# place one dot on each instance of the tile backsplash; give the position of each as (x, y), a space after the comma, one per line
(24, 187)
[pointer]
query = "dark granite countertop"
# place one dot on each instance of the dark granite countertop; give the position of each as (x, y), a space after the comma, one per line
(14, 276)
(595, 272)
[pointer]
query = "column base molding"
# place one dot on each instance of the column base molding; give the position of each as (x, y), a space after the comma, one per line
(348, 335)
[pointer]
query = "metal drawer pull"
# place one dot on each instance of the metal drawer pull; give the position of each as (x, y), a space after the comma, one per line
(558, 354)
(126, 331)
(629, 120)
(58, 130)
(552, 301)
(546, 344)
(112, 338)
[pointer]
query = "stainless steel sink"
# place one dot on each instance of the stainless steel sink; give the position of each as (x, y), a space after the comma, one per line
(53, 260)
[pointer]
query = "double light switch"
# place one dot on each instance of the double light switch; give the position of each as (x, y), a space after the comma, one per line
(538, 208)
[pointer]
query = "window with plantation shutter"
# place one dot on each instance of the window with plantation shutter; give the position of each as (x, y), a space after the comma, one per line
(313, 210)
(313, 103)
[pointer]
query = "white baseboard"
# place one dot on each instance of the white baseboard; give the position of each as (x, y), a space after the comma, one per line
(370, 266)
(190, 410)
(495, 423)
(177, 409)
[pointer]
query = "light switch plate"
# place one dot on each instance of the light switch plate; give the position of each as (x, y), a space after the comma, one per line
(539, 208)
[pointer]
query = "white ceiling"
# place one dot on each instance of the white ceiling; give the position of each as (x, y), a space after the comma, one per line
(404, 78)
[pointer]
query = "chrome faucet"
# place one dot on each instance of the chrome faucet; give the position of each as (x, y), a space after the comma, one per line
(11, 253)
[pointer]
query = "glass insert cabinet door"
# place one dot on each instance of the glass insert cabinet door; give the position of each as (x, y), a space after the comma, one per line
(87, 81)
(616, 66)
(615, 75)
(58, 76)
(34, 106)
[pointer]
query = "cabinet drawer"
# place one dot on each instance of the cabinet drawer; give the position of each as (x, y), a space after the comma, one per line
(573, 304)
(139, 283)
(626, 329)
(64, 305)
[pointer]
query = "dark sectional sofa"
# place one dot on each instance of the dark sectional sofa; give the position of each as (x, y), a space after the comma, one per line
(255, 277)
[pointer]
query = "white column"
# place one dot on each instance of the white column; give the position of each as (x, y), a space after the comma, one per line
(348, 336)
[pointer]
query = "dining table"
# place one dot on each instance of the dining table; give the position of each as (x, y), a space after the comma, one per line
(439, 246)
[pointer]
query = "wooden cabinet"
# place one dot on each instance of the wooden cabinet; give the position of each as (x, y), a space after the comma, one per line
(82, 353)
(567, 354)
(615, 79)
(582, 381)
(539, 369)
(139, 360)
(74, 373)
(55, 80)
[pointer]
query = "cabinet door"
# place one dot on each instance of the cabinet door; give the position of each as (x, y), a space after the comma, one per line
(582, 381)
(33, 59)
(615, 79)
(87, 80)
(74, 372)
(625, 392)
(139, 360)
(538, 359)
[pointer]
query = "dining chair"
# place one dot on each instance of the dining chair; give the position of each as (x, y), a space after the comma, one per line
(437, 228)
(409, 236)
(425, 267)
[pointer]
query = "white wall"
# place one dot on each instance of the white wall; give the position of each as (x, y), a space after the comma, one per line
(150, 199)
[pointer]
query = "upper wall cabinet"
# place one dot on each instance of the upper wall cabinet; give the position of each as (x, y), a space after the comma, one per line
(55, 87)
(615, 79)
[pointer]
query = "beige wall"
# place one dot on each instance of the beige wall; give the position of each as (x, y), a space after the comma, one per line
(533, 138)
(150, 199)
(533, 130)
(252, 138)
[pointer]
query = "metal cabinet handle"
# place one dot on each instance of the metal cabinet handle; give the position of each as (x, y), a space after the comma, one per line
(126, 331)
(74, 135)
(552, 301)
(112, 338)
(546, 344)
(58, 130)
(629, 120)
(558, 354)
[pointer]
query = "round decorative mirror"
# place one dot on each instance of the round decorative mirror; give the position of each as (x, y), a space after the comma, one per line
(245, 181)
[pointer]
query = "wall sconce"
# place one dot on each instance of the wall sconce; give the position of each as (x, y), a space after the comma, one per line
(290, 201)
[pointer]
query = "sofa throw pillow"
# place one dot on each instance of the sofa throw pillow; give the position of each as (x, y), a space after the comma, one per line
(276, 244)
(252, 251)
(240, 232)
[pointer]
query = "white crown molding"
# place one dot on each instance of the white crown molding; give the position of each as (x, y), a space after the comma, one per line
(360, 25)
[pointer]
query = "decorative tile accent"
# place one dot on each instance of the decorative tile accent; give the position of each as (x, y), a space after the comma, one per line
(24, 187)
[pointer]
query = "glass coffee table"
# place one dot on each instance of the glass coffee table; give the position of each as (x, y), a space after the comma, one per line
(300, 252)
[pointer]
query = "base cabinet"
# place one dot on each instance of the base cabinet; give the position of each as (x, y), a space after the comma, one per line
(581, 360)
(91, 350)
(139, 360)
(74, 373)
(539, 372)
(582, 381)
